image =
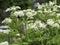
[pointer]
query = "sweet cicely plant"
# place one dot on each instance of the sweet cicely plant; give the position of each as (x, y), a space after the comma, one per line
(42, 24)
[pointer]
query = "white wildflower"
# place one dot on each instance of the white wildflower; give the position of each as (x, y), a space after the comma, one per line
(51, 3)
(35, 28)
(17, 7)
(8, 9)
(12, 8)
(31, 25)
(28, 10)
(50, 22)
(24, 10)
(37, 23)
(29, 14)
(45, 10)
(18, 13)
(55, 8)
(58, 6)
(18, 34)
(49, 10)
(5, 31)
(42, 25)
(58, 14)
(4, 43)
(39, 6)
(55, 25)
(7, 20)
(34, 12)
(40, 11)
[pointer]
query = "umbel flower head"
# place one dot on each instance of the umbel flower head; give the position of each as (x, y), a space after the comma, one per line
(58, 14)
(37, 24)
(51, 3)
(55, 25)
(31, 13)
(4, 43)
(40, 24)
(12, 8)
(19, 13)
(7, 20)
(50, 22)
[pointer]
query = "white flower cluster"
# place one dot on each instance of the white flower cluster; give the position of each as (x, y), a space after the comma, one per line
(55, 25)
(19, 13)
(58, 14)
(52, 23)
(36, 25)
(12, 8)
(31, 25)
(58, 6)
(40, 24)
(29, 13)
(39, 6)
(48, 7)
(47, 11)
(42, 8)
(51, 3)
(5, 31)
(18, 34)
(4, 43)
(7, 20)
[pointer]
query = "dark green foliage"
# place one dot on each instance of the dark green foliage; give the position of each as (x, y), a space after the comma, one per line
(40, 37)
(3, 37)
